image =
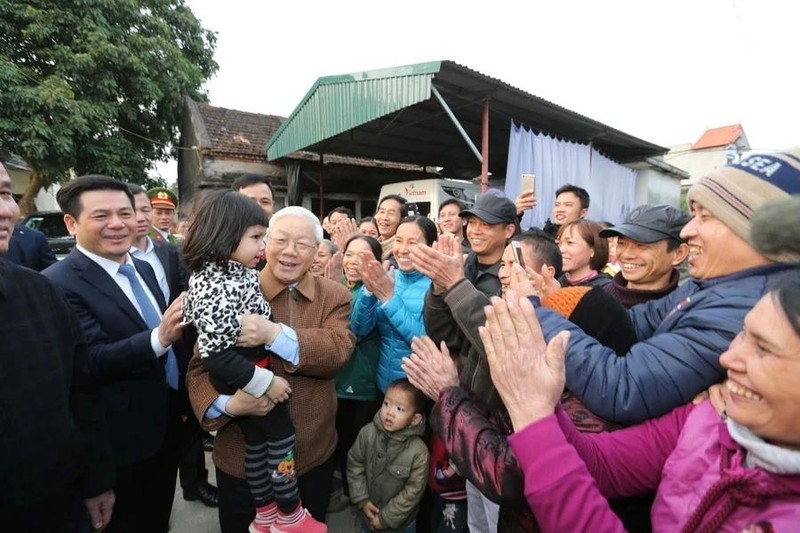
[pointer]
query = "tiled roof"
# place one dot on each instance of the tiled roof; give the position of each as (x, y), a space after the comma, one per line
(237, 133)
(244, 135)
(715, 137)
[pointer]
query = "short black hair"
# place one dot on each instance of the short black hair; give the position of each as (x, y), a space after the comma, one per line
(427, 226)
(246, 180)
(397, 198)
(135, 189)
(374, 245)
(580, 192)
(544, 248)
(342, 209)
(418, 399)
(453, 201)
(218, 227)
(69, 196)
(371, 220)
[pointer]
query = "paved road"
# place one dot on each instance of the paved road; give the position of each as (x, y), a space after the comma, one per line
(194, 517)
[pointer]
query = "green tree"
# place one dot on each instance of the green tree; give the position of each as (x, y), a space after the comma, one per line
(97, 86)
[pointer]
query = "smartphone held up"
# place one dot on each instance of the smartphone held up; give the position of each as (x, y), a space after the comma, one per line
(528, 183)
(517, 248)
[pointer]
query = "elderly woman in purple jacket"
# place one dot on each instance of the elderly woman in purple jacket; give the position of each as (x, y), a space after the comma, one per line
(737, 473)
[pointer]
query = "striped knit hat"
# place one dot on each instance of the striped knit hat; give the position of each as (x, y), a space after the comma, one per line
(733, 192)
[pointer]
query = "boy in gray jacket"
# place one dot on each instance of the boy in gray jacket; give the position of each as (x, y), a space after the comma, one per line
(387, 466)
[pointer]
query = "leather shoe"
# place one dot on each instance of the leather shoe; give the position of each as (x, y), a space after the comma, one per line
(207, 495)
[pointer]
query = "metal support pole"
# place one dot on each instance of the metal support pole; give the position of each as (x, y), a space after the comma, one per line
(485, 147)
(321, 187)
(457, 124)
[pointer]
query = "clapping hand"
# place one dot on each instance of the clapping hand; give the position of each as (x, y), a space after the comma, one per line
(377, 280)
(430, 369)
(528, 373)
(342, 231)
(443, 262)
(333, 268)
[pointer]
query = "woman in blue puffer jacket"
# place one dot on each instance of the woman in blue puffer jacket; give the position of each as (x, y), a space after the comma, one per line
(393, 301)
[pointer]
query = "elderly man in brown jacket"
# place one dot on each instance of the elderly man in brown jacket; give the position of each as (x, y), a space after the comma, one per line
(310, 327)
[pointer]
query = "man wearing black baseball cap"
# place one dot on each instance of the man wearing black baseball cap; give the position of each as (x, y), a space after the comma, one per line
(454, 304)
(491, 222)
(649, 247)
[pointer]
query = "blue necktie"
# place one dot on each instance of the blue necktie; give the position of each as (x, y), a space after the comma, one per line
(152, 319)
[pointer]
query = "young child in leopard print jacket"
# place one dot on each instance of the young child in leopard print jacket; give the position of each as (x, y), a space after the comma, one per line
(225, 242)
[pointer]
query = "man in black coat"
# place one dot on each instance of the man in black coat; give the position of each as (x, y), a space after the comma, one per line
(29, 248)
(54, 459)
(130, 333)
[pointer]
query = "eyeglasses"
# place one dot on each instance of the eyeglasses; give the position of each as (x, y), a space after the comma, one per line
(301, 247)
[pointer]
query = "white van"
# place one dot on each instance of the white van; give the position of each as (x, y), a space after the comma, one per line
(425, 196)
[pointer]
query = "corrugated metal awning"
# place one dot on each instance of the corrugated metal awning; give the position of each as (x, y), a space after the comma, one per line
(336, 104)
(390, 114)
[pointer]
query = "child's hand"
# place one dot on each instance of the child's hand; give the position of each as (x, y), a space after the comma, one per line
(279, 390)
(375, 523)
(370, 511)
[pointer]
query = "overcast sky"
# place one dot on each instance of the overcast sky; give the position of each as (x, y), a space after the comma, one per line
(663, 71)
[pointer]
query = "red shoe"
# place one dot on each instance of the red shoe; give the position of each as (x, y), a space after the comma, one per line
(306, 524)
(258, 528)
(265, 517)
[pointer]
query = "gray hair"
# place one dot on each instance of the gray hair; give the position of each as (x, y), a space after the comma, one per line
(331, 246)
(302, 212)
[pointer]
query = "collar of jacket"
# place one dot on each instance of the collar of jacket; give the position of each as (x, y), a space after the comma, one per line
(471, 267)
(273, 287)
(762, 270)
(410, 276)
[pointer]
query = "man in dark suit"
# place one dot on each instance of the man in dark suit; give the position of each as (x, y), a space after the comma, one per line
(172, 279)
(54, 460)
(130, 332)
(29, 248)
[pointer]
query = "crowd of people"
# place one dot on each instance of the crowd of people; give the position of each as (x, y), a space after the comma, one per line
(456, 376)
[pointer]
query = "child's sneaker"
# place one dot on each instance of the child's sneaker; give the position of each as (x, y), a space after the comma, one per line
(256, 527)
(302, 523)
(265, 517)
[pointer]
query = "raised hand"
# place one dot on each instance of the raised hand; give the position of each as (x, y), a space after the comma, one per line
(544, 282)
(430, 369)
(333, 268)
(342, 231)
(520, 281)
(528, 373)
(443, 262)
(526, 200)
(377, 280)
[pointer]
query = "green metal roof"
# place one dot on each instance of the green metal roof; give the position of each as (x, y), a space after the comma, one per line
(336, 104)
(389, 114)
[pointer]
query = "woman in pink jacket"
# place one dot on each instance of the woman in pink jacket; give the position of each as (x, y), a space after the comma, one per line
(738, 473)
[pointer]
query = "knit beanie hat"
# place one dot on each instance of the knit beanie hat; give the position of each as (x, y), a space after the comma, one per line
(732, 193)
(775, 230)
(597, 313)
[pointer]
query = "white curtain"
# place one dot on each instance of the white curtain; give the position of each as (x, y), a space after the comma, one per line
(555, 163)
